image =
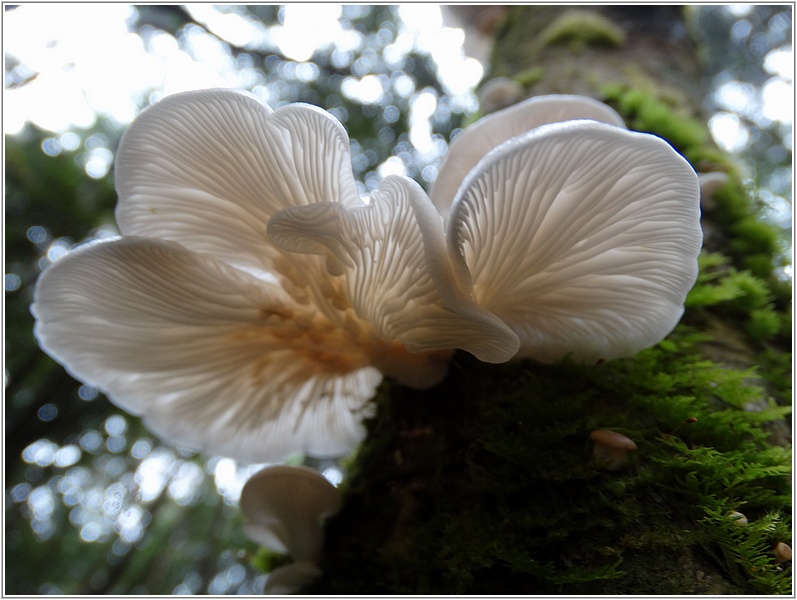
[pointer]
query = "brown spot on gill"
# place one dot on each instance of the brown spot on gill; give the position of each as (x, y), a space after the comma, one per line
(337, 363)
(340, 302)
(316, 336)
(301, 362)
(319, 348)
(286, 335)
(281, 313)
(242, 336)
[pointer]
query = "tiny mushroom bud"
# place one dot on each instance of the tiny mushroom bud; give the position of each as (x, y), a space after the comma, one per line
(709, 184)
(782, 552)
(738, 518)
(611, 448)
(498, 93)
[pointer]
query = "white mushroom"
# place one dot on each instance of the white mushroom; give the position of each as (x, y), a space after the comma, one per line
(467, 149)
(583, 237)
(782, 552)
(738, 518)
(227, 342)
(255, 301)
(285, 508)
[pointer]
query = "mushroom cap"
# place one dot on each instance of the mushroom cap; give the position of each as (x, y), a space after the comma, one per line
(738, 518)
(190, 320)
(581, 236)
(489, 132)
(612, 439)
(284, 509)
(498, 93)
(782, 552)
(290, 579)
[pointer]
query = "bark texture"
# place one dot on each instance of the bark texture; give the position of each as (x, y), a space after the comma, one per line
(579, 50)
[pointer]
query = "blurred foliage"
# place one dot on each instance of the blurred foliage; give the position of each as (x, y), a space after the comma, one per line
(80, 496)
(742, 73)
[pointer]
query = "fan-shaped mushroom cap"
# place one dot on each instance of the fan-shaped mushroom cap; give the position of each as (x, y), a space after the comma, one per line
(582, 237)
(193, 319)
(284, 508)
(476, 141)
(399, 275)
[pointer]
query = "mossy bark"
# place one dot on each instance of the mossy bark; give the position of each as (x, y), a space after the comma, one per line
(487, 484)
(582, 49)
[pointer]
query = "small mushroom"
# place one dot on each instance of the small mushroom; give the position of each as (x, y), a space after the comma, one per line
(284, 509)
(498, 93)
(738, 518)
(782, 552)
(709, 184)
(611, 448)
(291, 578)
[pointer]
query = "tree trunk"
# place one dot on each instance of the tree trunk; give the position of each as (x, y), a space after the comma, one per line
(487, 484)
(579, 50)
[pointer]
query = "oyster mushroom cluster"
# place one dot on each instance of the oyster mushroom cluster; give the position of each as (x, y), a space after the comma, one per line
(254, 300)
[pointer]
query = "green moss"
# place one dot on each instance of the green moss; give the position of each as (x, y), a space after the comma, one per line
(736, 292)
(711, 287)
(644, 111)
(753, 246)
(733, 203)
(503, 496)
(754, 236)
(265, 560)
(680, 131)
(764, 324)
(778, 367)
(753, 293)
(580, 28)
